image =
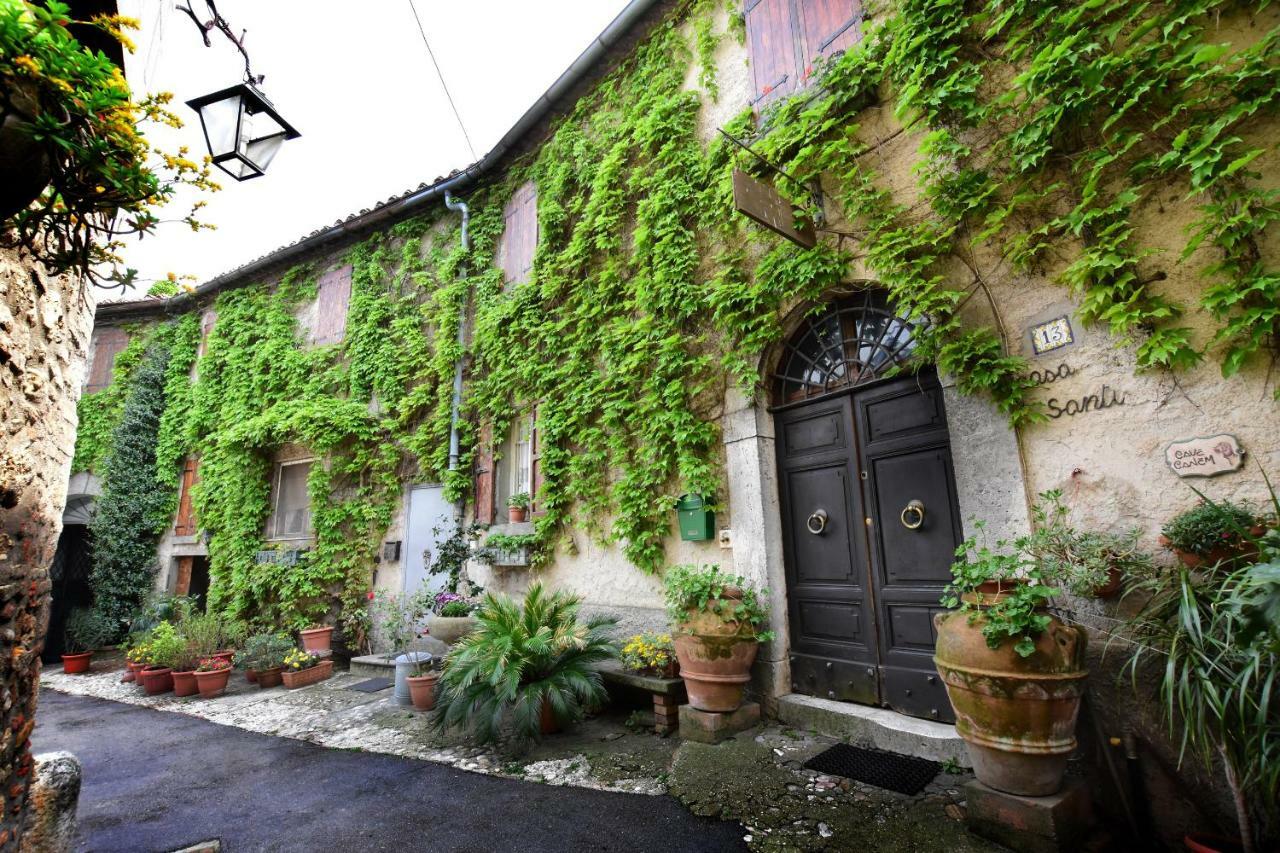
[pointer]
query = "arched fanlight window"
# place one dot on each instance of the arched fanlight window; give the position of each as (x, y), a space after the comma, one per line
(854, 341)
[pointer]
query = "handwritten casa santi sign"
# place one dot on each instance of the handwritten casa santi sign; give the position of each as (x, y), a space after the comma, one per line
(1104, 399)
(1204, 456)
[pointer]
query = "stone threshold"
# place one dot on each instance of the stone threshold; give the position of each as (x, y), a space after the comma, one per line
(880, 728)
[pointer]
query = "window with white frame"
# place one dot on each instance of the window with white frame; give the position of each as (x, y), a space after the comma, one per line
(518, 468)
(290, 503)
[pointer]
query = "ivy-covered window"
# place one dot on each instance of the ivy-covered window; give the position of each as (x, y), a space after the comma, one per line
(333, 292)
(509, 467)
(786, 37)
(107, 344)
(519, 235)
(290, 504)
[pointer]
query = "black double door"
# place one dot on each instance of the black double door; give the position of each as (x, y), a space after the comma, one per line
(870, 528)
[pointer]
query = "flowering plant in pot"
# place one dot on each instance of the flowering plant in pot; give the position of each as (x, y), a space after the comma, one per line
(451, 618)
(1014, 673)
(165, 648)
(528, 669)
(302, 668)
(518, 507)
(135, 657)
(651, 654)
(1212, 533)
(212, 675)
(202, 634)
(87, 630)
(718, 621)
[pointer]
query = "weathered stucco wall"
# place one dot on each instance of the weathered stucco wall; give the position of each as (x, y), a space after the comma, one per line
(44, 331)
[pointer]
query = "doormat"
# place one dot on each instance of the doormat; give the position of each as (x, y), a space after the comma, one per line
(373, 685)
(905, 774)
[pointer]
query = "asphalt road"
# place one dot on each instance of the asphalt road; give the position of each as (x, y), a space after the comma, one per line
(156, 781)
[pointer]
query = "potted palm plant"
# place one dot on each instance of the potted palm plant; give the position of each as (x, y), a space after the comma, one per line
(518, 507)
(718, 620)
(87, 630)
(1215, 642)
(529, 665)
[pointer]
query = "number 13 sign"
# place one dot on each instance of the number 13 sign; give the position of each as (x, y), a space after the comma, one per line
(1052, 335)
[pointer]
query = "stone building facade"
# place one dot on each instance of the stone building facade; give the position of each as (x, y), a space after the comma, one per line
(45, 322)
(923, 461)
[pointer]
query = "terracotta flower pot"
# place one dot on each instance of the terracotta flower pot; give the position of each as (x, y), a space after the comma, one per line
(251, 676)
(517, 514)
(422, 690)
(1229, 553)
(184, 683)
(227, 655)
(451, 629)
(131, 670)
(547, 723)
(157, 680)
(74, 664)
(211, 684)
(1017, 715)
(306, 677)
(1115, 580)
(715, 658)
(318, 639)
(1202, 842)
(272, 677)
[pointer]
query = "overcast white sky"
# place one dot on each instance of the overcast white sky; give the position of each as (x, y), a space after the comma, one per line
(354, 77)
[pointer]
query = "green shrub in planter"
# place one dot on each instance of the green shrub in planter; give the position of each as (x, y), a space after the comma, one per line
(1208, 526)
(88, 630)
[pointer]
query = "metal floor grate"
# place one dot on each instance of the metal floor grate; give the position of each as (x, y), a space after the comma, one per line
(902, 773)
(373, 685)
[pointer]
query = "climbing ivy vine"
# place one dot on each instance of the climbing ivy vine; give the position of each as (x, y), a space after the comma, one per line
(1041, 132)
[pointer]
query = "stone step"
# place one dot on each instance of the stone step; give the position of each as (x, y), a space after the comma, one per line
(880, 728)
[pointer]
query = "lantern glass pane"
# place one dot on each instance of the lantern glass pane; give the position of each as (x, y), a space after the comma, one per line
(220, 120)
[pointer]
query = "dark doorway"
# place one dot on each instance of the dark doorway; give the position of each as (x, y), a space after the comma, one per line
(69, 581)
(870, 522)
(192, 578)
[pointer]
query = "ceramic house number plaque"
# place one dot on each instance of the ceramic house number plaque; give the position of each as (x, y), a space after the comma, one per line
(1204, 456)
(1052, 335)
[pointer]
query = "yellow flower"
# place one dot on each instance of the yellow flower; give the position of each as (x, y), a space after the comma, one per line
(26, 63)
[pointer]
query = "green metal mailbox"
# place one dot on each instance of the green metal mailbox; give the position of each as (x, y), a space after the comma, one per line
(697, 523)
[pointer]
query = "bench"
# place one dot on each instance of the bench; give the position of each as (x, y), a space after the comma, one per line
(668, 693)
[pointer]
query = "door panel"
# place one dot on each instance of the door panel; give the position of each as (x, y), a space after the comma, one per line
(833, 642)
(430, 521)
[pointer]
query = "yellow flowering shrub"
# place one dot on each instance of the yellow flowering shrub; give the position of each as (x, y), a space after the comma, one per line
(653, 654)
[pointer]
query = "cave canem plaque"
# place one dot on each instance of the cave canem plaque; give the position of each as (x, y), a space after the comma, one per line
(1204, 456)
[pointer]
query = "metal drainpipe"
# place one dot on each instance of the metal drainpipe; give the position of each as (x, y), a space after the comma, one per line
(456, 205)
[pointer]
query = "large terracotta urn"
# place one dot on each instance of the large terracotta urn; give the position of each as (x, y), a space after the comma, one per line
(715, 657)
(1017, 715)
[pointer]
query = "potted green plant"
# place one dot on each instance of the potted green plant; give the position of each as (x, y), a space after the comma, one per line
(165, 648)
(264, 655)
(422, 682)
(212, 675)
(202, 634)
(718, 621)
(451, 619)
(303, 668)
(1014, 673)
(1083, 562)
(1212, 533)
(87, 630)
(529, 665)
(518, 507)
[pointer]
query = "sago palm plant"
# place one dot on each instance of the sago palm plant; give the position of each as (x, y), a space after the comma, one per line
(521, 656)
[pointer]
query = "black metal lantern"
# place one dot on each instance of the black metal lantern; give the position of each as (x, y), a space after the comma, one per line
(242, 129)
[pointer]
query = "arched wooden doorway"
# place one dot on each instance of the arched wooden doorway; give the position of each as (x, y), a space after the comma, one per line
(868, 501)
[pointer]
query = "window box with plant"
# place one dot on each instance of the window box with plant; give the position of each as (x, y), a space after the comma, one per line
(87, 631)
(718, 624)
(212, 675)
(529, 669)
(1014, 672)
(451, 618)
(304, 668)
(509, 551)
(1213, 533)
(518, 507)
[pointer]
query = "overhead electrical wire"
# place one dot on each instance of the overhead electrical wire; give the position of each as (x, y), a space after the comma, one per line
(443, 85)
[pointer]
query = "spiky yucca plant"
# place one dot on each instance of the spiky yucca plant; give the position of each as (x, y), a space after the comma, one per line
(520, 656)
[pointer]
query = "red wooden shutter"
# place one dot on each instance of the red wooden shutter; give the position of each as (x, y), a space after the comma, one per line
(107, 344)
(519, 235)
(828, 27)
(535, 463)
(186, 524)
(484, 471)
(333, 292)
(771, 49)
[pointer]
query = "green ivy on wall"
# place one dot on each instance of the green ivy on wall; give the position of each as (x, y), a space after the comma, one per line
(1043, 128)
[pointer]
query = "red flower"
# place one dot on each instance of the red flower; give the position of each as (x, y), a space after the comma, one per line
(370, 595)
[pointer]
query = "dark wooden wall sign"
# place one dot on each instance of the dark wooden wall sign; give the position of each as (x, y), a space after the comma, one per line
(760, 202)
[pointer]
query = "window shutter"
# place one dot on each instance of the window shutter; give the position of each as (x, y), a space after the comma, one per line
(828, 27)
(207, 321)
(771, 49)
(535, 463)
(186, 524)
(519, 235)
(333, 292)
(484, 472)
(107, 344)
